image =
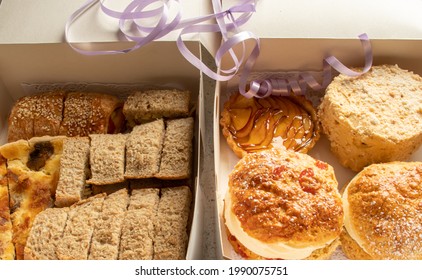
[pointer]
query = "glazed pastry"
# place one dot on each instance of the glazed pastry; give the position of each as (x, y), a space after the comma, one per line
(255, 124)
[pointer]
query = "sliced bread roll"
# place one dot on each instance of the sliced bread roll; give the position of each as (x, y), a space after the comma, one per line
(171, 237)
(138, 225)
(73, 170)
(176, 158)
(46, 233)
(143, 150)
(106, 237)
(80, 225)
(144, 106)
(107, 158)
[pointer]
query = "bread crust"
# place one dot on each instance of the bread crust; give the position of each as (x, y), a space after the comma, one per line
(373, 118)
(384, 210)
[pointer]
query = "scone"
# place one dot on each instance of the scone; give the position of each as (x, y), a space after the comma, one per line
(373, 118)
(255, 124)
(282, 204)
(383, 212)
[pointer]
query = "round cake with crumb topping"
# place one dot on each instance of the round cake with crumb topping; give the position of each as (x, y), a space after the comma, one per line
(383, 212)
(282, 204)
(373, 118)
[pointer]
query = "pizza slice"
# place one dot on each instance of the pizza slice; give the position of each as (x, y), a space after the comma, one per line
(32, 173)
(7, 250)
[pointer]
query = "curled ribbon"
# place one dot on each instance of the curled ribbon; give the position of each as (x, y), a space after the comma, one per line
(137, 10)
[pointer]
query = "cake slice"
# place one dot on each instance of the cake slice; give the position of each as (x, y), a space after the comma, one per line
(80, 225)
(45, 234)
(73, 169)
(143, 150)
(176, 158)
(138, 225)
(106, 238)
(171, 238)
(144, 106)
(7, 249)
(107, 158)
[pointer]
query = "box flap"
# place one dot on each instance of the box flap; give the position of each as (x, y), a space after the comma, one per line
(380, 19)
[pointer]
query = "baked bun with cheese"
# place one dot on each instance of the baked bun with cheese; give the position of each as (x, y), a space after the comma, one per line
(383, 212)
(282, 204)
(373, 118)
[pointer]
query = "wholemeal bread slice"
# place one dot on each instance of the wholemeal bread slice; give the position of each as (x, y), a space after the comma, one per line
(176, 159)
(143, 150)
(171, 239)
(144, 106)
(106, 238)
(80, 225)
(45, 234)
(107, 158)
(138, 226)
(7, 249)
(73, 169)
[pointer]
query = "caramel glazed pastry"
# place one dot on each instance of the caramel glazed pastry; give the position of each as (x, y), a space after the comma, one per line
(383, 212)
(255, 124)
(282, 204)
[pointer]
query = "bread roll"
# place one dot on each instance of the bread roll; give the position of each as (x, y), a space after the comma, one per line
(383, 212)
(283, 204)
(69, 114)
(373, 118)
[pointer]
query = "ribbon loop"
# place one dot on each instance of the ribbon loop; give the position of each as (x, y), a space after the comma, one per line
(136, 13)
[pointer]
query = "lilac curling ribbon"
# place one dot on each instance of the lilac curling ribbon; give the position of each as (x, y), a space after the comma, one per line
(285, 87)
(136, 10)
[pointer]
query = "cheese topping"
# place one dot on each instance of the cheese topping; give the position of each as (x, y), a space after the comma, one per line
(274, 250)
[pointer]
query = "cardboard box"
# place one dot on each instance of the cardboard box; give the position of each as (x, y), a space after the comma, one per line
(33, 52)
(292, 39)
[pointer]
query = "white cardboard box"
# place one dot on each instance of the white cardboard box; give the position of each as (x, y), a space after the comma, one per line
(296, 36)
(33, 51)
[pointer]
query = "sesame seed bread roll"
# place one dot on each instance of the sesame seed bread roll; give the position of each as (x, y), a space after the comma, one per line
(91, 113)
(373, 118)
(36, 115)
(383, 213)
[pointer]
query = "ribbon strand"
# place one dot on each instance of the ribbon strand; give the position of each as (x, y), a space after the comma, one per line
(228, 25)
